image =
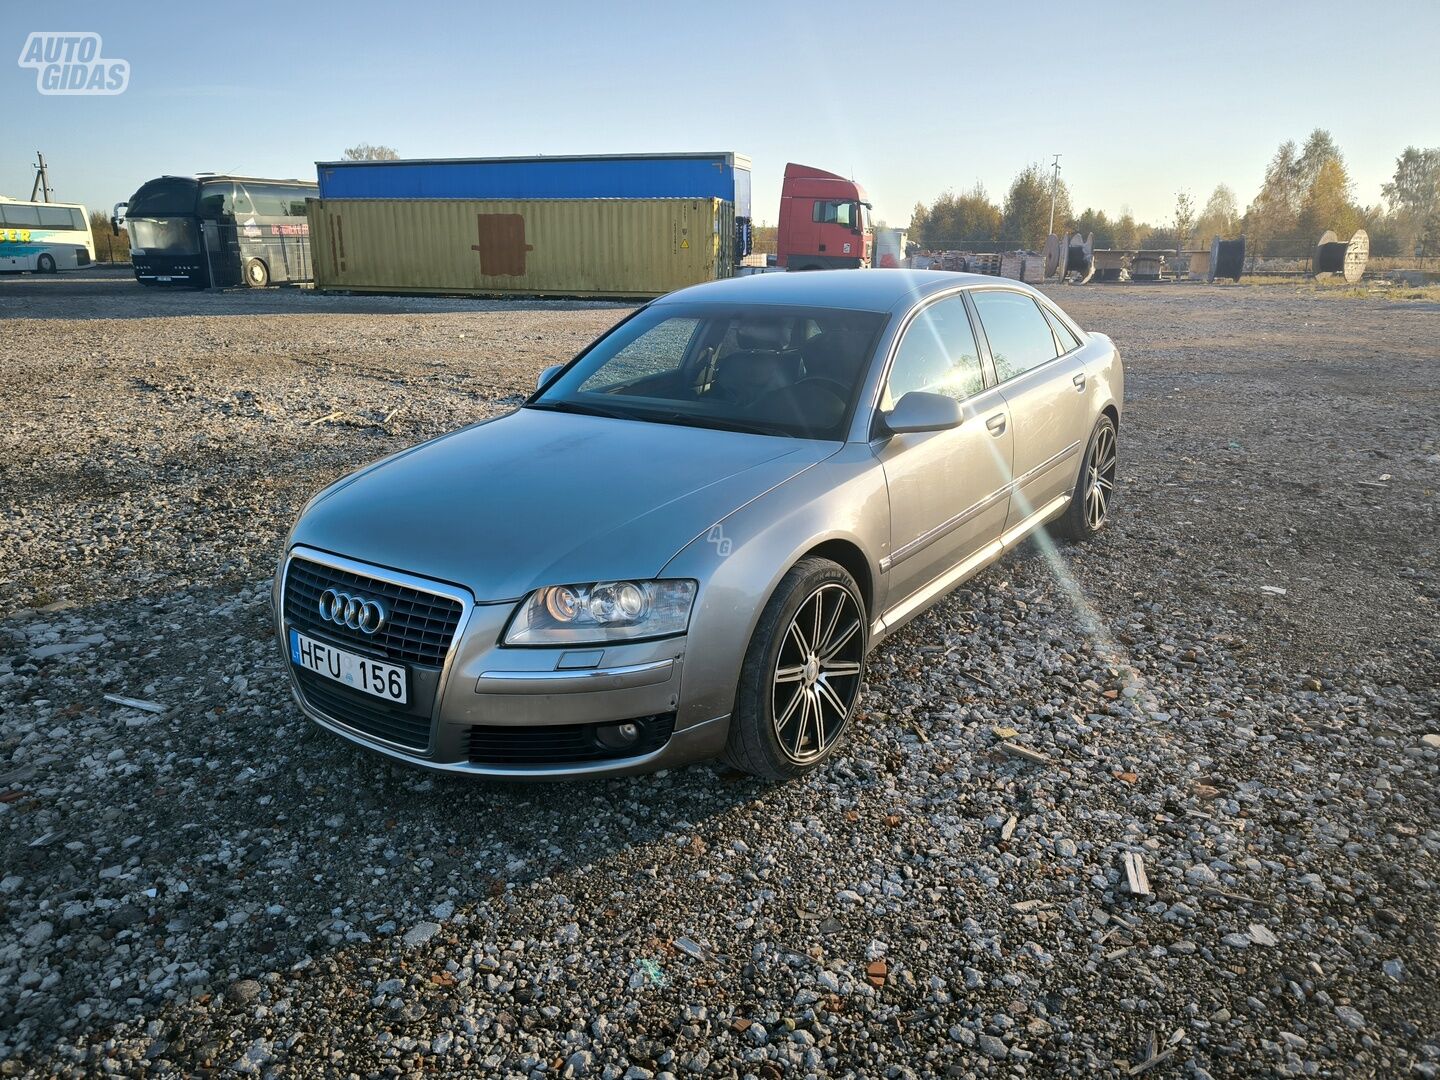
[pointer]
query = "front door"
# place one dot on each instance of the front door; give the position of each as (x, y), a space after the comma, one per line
(949, 490)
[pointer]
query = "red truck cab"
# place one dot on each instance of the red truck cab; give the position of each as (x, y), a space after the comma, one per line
(824, 222)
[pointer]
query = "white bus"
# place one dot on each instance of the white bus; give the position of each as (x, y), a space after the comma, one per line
(44, 237)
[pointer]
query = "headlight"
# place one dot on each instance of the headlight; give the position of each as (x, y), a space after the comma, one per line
(602, 611)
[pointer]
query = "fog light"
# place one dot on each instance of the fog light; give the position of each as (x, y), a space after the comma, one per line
(618, 736)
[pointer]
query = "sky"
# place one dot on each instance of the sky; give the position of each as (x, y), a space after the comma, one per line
(1141, 100)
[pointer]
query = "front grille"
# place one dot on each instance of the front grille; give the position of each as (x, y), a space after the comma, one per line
(369, 717)
(419, 626)
(562, 744)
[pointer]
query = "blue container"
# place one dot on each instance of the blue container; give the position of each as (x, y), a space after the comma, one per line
(608, 176)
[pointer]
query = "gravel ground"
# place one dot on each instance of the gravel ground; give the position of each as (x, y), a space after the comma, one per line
(1237, 682)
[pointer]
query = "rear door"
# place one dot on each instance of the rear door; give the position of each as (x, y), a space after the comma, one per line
(1046, 392)
(949, 490)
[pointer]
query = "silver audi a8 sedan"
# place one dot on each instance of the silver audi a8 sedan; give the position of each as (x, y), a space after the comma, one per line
(687, 540)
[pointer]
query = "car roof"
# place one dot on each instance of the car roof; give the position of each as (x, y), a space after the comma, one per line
(860, 290)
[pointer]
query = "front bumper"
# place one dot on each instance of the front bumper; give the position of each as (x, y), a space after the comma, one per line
(554, 699)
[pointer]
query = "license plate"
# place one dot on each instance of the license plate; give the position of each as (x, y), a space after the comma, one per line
(386, 681)
(164, 279)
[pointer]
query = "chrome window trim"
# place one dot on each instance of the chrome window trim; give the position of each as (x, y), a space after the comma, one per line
(393, 577)
(1050, 311)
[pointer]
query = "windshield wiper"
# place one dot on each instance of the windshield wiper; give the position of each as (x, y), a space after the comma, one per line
(715, 423)
(659, 416)
(580, 409)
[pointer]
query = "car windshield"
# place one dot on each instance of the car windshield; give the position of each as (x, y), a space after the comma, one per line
(168, 236)
(770, 370)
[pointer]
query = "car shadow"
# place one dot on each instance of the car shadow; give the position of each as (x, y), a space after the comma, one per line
(232, 834)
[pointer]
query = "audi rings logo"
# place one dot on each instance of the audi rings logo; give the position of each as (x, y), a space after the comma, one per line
(356, 612)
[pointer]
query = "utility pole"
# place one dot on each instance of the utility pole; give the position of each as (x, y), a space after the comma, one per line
(41, 187)
(1054, 187)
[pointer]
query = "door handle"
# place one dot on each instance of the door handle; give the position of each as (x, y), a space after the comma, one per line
(1079, 381)
(996, 424)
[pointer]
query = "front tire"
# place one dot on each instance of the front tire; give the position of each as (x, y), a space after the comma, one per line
(1094, 494)
(801, 677)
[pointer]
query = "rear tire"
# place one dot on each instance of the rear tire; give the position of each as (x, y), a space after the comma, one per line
(257, 274)
(801, 677)
(45, 264)
(1094, 493)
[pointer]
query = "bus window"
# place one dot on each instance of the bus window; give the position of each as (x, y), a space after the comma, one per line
(217, 201)
(27, 217)
(272, 200)
(59, 217)
(244, 207)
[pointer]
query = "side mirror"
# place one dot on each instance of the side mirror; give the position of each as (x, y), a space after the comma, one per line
(920, 410)
(546, 375)
(115, 226)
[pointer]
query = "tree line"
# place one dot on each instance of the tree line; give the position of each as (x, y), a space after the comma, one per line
(1306, 190)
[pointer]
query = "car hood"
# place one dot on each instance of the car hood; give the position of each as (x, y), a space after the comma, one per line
(541, 498)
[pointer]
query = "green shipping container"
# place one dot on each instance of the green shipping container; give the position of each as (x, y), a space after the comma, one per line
(534, 247)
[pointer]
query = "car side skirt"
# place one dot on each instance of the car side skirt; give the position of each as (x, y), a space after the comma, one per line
(936, 590)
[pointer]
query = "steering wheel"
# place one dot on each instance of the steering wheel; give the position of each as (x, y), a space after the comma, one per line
(839, 389)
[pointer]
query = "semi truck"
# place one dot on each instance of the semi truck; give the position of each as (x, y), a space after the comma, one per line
(824, 222)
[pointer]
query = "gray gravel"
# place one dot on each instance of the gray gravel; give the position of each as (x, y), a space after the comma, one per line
(1238, 683)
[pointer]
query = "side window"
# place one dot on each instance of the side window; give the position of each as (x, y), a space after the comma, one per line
(244, 207)
(217, 201)
(23, 216)
(277, 200)
(56, 217)
(937, 355)
(1019, 335)
(1063, 333)
(831, 212)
